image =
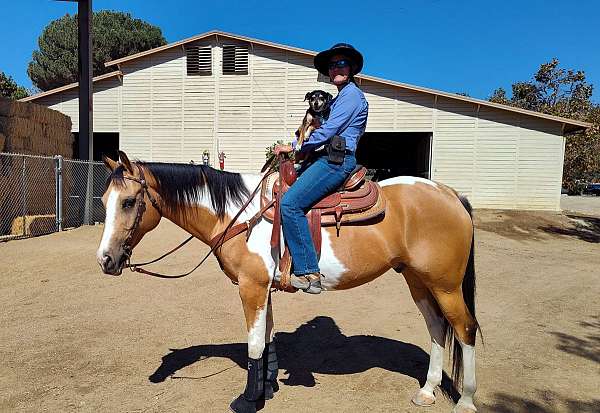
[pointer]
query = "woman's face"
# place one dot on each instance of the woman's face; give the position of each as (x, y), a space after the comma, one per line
(339, 73)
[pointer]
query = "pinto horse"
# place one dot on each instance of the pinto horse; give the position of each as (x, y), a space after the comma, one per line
(426, 235)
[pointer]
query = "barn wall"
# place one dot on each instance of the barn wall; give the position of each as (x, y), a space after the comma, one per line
(106, 105)
(498, 158)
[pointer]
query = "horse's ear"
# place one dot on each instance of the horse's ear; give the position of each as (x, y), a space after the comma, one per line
(125, 162)
(109, 163)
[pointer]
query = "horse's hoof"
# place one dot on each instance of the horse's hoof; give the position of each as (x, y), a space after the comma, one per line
(464, 407)
(271, 387)
(241, 405)
(423, 398)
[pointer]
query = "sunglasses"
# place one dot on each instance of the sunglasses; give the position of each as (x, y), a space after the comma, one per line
(339, 64)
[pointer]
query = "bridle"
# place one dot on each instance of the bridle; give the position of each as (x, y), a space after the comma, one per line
(230, 231)
(141, 208)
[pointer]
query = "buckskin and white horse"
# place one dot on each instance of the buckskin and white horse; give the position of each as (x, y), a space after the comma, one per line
(426, 234)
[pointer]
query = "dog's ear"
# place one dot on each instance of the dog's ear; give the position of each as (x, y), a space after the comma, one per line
(329, 96)
(307, 96)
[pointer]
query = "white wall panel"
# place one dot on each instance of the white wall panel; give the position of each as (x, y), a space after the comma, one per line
(500, 159)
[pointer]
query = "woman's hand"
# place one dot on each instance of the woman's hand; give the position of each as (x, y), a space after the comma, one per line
(282, 149)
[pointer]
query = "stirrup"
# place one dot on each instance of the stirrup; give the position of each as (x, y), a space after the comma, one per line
(309, 283)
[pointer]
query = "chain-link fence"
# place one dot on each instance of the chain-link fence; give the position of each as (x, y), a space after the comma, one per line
(41, 194)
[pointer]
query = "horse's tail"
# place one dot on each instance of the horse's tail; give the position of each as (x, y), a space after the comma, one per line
(468, 290)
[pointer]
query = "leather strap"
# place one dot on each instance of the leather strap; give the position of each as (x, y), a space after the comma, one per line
(239, 228)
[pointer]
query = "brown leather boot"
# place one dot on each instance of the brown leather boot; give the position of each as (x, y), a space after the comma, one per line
(309, 283)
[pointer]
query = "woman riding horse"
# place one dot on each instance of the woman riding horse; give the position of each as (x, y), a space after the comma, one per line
(324, 173)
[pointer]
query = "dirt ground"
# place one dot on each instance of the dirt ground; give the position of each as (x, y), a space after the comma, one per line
(76, 340)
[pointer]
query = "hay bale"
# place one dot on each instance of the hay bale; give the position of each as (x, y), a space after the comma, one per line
(34, 129)
(14, 108)
(22, 127)
(34, 225)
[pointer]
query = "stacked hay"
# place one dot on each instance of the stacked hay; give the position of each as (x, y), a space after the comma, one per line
(27, 186)
(33, 129)
(34, 225)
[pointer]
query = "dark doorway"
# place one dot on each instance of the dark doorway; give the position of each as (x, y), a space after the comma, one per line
(389, 154)
(105, 143)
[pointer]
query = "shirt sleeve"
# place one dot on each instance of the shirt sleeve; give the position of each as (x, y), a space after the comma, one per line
(346, 107)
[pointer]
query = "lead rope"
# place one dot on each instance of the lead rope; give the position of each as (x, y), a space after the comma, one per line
(215, 246)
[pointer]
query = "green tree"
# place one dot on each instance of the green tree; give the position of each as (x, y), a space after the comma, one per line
(10, 89)
(114, 35)
(566, 93)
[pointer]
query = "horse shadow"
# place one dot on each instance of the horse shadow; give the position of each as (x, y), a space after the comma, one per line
(317, 346)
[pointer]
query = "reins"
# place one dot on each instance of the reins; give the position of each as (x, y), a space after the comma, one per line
(215, 243)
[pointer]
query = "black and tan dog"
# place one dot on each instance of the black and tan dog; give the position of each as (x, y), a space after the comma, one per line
(317, 113)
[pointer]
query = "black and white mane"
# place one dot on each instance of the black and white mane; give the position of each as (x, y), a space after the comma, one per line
(183, 184)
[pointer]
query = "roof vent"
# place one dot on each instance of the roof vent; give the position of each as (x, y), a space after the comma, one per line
(199, 60)
(235, 60)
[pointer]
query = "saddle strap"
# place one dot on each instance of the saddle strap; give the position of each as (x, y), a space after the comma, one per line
(314, 222)
(276, 234)
(285, 267)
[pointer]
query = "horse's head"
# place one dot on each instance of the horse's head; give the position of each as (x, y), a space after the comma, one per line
(131, 211)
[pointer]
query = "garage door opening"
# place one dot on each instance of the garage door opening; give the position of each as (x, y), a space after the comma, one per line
(389, 154)
(105, 143)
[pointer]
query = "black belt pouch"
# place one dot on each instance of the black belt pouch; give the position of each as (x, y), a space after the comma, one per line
(336, 150)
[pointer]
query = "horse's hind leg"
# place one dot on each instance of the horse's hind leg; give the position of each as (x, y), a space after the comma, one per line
(435, 325)
(255, 302)
(465, 327)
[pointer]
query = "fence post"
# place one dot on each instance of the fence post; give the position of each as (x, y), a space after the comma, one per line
(24, 204)
(58, 159)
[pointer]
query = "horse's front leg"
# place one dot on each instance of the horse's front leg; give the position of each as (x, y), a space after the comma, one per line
(270, 356)
(255, 296)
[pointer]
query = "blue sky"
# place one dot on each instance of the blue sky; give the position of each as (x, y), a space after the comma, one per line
(454, 46)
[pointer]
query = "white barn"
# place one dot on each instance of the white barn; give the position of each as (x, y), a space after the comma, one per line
(224, 92)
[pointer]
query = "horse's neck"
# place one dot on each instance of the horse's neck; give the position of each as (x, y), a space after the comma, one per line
(201, 219)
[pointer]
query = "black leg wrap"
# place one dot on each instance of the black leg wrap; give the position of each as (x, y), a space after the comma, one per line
(255, 384)
(271, 370)
(247, 402)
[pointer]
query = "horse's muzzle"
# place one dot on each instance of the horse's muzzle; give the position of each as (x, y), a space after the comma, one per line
(110, 265)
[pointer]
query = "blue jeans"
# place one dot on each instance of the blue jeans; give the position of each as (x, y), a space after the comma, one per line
(319, 179)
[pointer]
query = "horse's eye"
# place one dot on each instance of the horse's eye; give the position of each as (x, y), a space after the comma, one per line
(128, 203)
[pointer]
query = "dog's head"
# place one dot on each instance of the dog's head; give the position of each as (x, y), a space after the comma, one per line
(318, 100)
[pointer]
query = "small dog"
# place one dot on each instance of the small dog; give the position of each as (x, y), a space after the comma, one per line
(317, 113)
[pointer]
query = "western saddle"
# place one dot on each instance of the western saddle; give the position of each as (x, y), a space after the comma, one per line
(357, 200)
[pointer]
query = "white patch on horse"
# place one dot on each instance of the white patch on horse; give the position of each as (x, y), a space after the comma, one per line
(256, 335)
(406, 180)
(250, 181)
(260, 244)
(109, 223)
(436, 357)
(469, 381)
(331, 267)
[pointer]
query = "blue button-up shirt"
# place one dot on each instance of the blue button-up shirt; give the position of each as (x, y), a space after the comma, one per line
(347, 118)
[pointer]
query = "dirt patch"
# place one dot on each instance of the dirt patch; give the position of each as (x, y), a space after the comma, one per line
(76, 340)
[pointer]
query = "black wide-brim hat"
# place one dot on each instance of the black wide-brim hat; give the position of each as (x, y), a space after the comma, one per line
(322, 59)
